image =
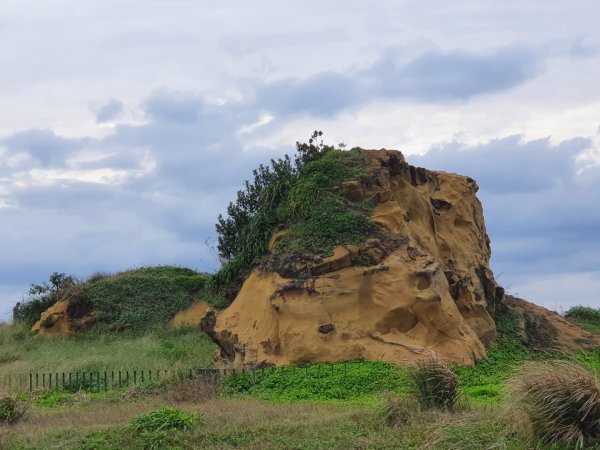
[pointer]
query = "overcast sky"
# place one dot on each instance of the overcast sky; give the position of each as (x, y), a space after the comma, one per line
(126, 127)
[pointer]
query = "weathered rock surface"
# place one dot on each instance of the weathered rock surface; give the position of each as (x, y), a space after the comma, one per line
(425, 287)
(434, 293)
(55, 321)
(191, 317)
(541, 328)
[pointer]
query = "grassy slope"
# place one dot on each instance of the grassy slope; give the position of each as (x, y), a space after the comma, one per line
(154, 349)
(135, 299)
(98, 422)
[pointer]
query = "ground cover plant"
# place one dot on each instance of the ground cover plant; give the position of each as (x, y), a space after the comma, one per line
(353, 380)
(585, 317)
(166, 418)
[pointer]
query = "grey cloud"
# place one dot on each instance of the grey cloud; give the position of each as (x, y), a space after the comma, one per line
(431, 77)
(540, 210)
(581, 48)
(44, 145)
(320, 95)
(457, 75)
(109, 111)
(530, 166)
(165, 106)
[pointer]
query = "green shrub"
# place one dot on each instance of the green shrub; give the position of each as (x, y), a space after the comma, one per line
(583, 313)
(435, 384)
(41, 297)
(132, 300)
(12, 409)
(166, 418)
(298, 195)
(140, 298)
(561, 400)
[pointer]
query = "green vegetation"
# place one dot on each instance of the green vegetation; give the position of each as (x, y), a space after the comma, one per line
(355, 380)
(142, 298)
(585, 317)
(133, 300)
(156, 348)
(166, 418)
(303, 196)
(43, 296)
(358, 404)
(12, 409)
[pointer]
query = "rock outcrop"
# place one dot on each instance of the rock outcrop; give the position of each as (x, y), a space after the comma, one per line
(56, 320)
(434, 292)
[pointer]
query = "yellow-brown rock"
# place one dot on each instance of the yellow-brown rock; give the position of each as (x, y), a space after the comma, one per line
(191, 316)
(55, 321)
(435, 293)
(541, 328)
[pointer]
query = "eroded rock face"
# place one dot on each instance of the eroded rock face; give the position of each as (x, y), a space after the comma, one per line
(434, 292)
(540, 328)
(56, 321)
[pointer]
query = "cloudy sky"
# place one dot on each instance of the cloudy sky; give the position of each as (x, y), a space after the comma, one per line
(126, 127)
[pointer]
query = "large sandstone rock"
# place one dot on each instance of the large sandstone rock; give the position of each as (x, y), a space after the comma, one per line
(434, 293)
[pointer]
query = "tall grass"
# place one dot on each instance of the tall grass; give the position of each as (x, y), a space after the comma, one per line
(435, 384)
(561, 400)
(161, 348)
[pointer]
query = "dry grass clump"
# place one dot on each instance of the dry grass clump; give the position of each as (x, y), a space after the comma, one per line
(194, 390)
(11, 409)
(396, 410)
(435, 384)
(561, 400)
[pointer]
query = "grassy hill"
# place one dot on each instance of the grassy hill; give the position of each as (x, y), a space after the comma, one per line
(133, 300)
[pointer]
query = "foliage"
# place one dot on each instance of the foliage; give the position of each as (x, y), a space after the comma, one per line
(352, 380)
(435, 384)
(303, 195)
(583, 313)
(561, 399)
(329, 223)
(585, 317)
(132, 300)
(12, 409)
(50, 399)
(41, 297)
(484, 381)
(140, 298)
(166, 418)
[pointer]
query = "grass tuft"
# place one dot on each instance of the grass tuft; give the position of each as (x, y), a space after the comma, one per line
(166, 418)
(435, 384)
(561, 400)
(12, 409)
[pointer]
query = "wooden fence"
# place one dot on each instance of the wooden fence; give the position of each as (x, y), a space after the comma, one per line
(99, 381)
(117, 379)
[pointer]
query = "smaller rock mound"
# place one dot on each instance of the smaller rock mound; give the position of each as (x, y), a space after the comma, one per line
(538, 327)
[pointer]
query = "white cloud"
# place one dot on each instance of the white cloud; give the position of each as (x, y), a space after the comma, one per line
(191, 96)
